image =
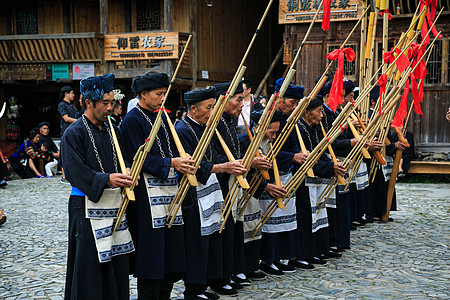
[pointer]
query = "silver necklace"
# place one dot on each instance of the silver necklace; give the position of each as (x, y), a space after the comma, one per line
(97, 155)
(236, 150)
(161, 151)
(309, 136)
(208, 159)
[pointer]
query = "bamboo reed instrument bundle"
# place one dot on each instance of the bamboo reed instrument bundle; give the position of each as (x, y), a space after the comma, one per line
(141, 154)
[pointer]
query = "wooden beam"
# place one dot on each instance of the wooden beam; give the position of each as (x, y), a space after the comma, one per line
(104, 22)
(193, 12)
(167, 64)
(429, 167)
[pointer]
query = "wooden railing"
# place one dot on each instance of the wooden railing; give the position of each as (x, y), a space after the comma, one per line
(43, 48)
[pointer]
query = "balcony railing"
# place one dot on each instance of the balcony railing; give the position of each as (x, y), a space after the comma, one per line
(48, 48)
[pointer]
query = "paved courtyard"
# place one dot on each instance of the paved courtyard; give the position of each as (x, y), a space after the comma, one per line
(404, 259)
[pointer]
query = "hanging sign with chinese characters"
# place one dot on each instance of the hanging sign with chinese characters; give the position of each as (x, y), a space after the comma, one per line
(141, 45)
(302, 11)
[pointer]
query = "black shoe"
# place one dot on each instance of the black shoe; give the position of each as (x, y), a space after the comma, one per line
(241, 281)
(315, 261)
(284, 268)
(366, 221)
(333, 254)
(235, 285)
(353, 228)
(341, 249)
(301, 264)
(357, 223)
(197, 297)
(211, 296)
(223, 291)
(266, 268)
(3, 183)
(390, 219)
(256, 276)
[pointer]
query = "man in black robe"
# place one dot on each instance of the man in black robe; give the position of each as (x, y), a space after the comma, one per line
(314, 244)
(159, 260)
(90, 160)
(202, 239)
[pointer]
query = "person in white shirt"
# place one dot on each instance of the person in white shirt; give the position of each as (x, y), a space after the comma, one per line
(246, 109)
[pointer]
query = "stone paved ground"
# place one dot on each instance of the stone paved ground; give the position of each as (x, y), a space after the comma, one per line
(405, 259)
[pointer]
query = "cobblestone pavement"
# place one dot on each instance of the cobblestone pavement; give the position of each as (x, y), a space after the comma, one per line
(404, 259)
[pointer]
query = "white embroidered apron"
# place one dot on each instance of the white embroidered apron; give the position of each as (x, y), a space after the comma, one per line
(102, 216)
(210, 200)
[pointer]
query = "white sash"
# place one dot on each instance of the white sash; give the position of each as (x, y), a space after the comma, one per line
(387, 168)
(319, 220)
(210, 201)
(160, 195)
(102, 216)
(281, 220)
(361, 179)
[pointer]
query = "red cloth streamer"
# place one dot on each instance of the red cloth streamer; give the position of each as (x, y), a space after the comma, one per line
(429, 19)
(400, 115)
(342, 128)
(386, 11)
(382, 83)
(420, 73)
(326, 14)
(163, 108)
(402, 63)
(340, 54)
(328, 139)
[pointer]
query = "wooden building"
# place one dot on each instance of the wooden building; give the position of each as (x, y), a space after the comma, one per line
(50, 43)
(432, 133)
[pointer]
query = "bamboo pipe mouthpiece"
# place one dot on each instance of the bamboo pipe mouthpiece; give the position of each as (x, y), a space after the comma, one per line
(192, 179)
(310, 172)
(278, 183)
(356, 135)
(333, 157)
(241, 180)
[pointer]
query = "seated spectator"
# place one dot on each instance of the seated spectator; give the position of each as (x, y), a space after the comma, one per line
(26, 160)
(48, 159)
(44, 129)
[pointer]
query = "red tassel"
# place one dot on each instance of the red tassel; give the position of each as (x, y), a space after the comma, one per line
(340, 54)
(402, 109)
(382, 83)
(163, 108)
(326, 14)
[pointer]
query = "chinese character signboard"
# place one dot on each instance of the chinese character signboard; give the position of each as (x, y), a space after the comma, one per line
(303, 11)
(60, 71)
(83, 71)
(141, 45)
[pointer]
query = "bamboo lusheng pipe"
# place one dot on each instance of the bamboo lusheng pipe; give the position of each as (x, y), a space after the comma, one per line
(278, 183)
(298, 177)
(369, 35)
(203, 144)
(264, 173)
(143, 150)
(264, 123)
(333, 156)
(376, 154)
(123, 168)
(192, 179)
(242, 181)
(356, 135)
(310, 172)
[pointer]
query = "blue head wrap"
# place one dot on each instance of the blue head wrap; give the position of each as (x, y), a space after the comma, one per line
(93, 88)
(293, 91)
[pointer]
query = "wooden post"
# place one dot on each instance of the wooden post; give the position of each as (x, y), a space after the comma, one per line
(167, 65)
(104, 22)
(194, 44)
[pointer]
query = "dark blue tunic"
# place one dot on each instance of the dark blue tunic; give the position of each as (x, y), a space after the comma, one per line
(159, 252)
(87, 278)
(203, 253)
